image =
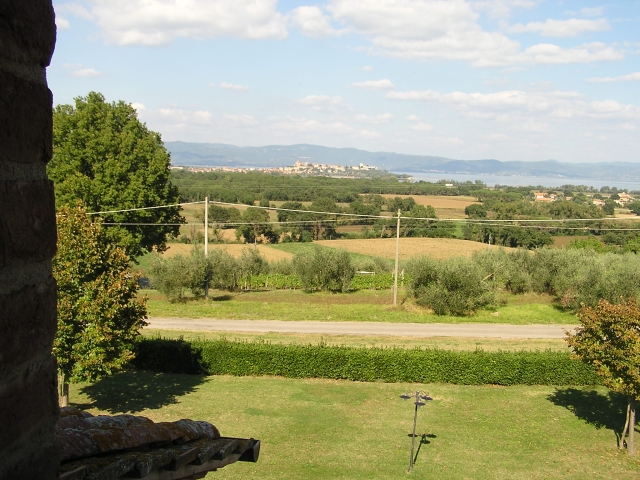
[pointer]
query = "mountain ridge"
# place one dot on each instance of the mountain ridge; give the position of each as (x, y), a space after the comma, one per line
(219, 154)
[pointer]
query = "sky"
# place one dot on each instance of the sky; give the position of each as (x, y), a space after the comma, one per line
(525, 80)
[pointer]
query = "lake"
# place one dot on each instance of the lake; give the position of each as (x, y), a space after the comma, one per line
(524, 180)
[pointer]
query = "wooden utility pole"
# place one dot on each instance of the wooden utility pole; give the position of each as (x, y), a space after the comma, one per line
(206, 238)
(395, 277)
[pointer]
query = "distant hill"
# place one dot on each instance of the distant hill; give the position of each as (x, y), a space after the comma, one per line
(218, 154)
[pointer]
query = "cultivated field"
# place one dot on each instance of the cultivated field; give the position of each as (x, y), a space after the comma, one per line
(446, 206)
(330, 429)
(360, 306)
(234, 249)
(562, 241)
(409, 247)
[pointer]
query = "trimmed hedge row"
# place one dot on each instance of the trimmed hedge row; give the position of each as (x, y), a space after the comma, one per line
(279, 281)
(222, 357)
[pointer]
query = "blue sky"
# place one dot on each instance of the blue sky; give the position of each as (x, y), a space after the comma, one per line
(505, 79)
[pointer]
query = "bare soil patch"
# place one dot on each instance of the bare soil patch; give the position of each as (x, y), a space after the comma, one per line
(562, 241)
(234, 249)
(409, 247)
(439, 201)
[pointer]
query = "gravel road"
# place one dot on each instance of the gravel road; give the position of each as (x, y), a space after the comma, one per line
(477, 330)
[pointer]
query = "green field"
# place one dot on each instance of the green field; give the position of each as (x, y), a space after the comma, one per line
(360, 306)
(351, 430)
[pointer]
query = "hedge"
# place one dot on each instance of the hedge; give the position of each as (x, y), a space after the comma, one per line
(222, 357)
(278, 281)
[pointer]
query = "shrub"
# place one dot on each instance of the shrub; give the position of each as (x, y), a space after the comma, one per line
(284, 267)
(455, 286)
(223, 357)
(170, 275)
(324, 269)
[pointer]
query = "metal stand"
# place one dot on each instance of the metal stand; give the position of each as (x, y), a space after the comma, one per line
(419, 395)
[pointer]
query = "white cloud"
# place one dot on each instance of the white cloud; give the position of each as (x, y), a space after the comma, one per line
(312, 22)
(562, 28)
(422, 29)
(632, 77)
(369, 135)
(546, 53)
(231, 86)
(374, 84)
(527, 111)
(592, 11)
(62, 23)
(422, 127)
(305, 125)
(367, 68)
(502, 8)
(75, 9)
(450, 30)
(86, 73)
(413, 118)
(158, 22)
(375, 120)
(323, 103)
(240, 120)
(140, 107)
(180, 116)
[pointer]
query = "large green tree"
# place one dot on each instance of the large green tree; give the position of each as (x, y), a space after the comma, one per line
(99, 314)
(256, 227)
(609, 339)
(105, 157)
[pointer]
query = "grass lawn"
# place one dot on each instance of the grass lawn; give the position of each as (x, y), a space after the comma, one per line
(350, 430)
(444, 343)
(363, 305)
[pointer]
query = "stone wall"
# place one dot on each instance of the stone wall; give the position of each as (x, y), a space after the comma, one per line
(28, 394)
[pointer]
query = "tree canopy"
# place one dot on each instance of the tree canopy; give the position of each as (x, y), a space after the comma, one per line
(99, 314)
(105, 157)
(609, 339)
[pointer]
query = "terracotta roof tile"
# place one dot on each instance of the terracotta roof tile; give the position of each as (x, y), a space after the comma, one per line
(109, 447)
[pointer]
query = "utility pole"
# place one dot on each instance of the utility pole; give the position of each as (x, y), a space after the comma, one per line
(206, 239)
(395, 279)
(206, 226)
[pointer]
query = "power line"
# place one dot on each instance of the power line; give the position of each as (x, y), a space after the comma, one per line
(493, 222)
(143, 208)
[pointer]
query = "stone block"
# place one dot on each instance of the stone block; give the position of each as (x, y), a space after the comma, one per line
(29, 404)
(42, 464)
(27, 221)
(27, 323)
(27, 31)
(26, 122)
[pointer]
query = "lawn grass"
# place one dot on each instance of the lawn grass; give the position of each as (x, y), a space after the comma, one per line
(350, 430)
(363, 305)
(444, 343)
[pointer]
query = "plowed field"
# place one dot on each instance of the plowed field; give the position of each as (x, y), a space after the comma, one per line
(409, 247)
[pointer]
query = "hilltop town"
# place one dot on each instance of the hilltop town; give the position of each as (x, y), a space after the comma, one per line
(301, 167)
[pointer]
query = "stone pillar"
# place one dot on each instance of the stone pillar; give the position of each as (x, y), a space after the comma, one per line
(28, 393)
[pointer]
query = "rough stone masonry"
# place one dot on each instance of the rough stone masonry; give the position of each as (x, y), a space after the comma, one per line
(28, 396)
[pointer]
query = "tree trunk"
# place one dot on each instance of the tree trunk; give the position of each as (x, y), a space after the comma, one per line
(626, 426)
(64, 398)
(631, 448)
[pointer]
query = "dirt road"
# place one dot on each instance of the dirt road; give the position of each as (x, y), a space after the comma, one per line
(478, 330)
